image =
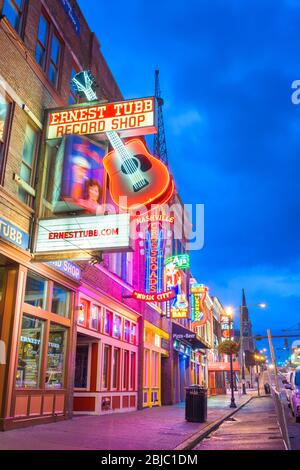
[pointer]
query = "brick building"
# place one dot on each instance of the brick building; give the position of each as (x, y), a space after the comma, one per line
(75, 339)
(63, 324)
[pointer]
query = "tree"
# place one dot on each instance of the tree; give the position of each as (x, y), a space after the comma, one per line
(229, 347)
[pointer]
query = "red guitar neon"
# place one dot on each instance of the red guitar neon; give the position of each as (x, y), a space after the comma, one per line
(136, 174)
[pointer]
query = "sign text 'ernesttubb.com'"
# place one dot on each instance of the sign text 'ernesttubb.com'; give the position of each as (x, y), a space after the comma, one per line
(108, 233)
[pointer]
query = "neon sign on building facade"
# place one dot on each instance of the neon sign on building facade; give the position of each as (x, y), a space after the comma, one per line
(154, 259)
(199, 311)
(178, 308)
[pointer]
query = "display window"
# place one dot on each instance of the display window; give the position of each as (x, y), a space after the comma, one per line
(106, 366)
(125, 370)
(116, 368)
(132, 370)
(36, 291)
(56, 357)
(61, 301)
(42, 347)
(30, 353)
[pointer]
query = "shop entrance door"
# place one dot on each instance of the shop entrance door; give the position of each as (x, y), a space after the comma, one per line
(81, 368)
(182, 375)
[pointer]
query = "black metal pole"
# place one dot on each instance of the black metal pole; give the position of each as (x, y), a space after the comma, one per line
(232, 404)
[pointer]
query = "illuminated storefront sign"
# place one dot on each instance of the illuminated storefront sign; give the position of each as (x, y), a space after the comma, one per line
(155, 217)
(129, 118)
(108, 233)
(154, 259)
(199, 311)
(68, 268)
(178, 308)
(13, 234)
(180, 261)
(136, 178)
(226, 327)
(162, 297)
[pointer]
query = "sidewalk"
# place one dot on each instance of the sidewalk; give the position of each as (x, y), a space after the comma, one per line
(150, 429)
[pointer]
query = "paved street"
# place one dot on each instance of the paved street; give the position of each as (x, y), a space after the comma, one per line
(254, 427)
(151, 429)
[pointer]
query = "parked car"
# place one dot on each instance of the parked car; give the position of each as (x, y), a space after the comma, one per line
(294, 394)
(287, 379)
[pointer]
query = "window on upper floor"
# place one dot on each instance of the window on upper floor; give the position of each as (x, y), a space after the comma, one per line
(48, 52)
(14, 12)
(27, 172)
(6, 106)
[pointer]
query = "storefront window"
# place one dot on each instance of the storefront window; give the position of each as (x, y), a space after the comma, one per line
(115, 368)
(56, 357)
(61, 301)
(95, 317)
(30, 350)
(36, 290)
(117, 327)
(132, 372)
(81, 371)
(106, 366)
(126, 370)
(108, 322)
(127, 331)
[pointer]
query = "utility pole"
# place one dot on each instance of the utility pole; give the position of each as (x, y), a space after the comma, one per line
(273, 359)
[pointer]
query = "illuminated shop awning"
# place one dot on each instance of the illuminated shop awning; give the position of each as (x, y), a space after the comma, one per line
(223, 366)
(180, 333)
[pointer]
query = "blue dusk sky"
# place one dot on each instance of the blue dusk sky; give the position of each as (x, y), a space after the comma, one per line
(233, 134)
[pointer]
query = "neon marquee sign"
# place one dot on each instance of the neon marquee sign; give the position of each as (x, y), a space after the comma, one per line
(131, 118)
(154, 259)
(162, 297)
(199, 311)
(179, 261)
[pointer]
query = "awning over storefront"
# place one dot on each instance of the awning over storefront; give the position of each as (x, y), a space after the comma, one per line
(180, 333)
(223, 366)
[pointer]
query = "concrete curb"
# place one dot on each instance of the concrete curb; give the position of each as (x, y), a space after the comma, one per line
(192, 441)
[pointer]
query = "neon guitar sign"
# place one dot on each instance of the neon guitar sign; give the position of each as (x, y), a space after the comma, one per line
(137, 178)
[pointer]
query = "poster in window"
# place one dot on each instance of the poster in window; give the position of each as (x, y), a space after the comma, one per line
(82, 177)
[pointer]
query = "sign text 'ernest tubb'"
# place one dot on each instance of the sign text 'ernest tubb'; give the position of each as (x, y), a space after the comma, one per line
(130, 118)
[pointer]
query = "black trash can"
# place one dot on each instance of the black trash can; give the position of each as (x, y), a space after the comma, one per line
(267, 389)
(196, 404)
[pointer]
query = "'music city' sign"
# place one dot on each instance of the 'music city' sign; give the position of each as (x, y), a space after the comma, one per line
(84, 234)
(129, 118)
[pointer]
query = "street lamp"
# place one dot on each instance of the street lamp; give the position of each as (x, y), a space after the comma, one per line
(262, 306)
